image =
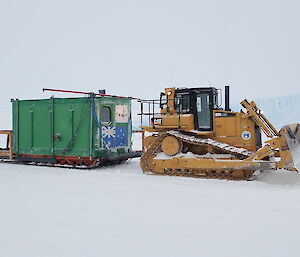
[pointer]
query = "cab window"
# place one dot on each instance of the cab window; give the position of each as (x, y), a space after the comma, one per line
(182, 102)
(203, 111)
(163, 100)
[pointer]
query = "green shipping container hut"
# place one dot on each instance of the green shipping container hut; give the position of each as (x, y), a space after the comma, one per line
(75, 131)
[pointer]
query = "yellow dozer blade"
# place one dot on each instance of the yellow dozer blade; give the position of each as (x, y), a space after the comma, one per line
(292, 135)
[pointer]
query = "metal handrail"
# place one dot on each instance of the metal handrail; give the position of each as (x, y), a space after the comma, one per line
(151, 109)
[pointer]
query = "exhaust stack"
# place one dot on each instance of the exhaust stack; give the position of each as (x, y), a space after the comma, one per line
(227, 108)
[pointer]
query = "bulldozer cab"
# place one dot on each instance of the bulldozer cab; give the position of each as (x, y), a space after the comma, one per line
(197, 101)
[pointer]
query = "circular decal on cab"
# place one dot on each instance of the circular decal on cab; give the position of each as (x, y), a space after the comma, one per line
(246, 135)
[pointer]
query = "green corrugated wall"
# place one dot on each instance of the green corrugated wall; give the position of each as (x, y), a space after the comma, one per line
(64, 126)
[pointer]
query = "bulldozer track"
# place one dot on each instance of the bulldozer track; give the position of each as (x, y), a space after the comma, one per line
(154, 148)
(210, 142)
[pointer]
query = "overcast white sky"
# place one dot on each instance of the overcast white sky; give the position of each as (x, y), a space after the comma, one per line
(136, 47)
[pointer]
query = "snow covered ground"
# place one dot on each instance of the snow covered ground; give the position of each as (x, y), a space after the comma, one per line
(118, 211)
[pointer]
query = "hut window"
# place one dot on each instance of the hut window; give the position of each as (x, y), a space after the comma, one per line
(105, 114)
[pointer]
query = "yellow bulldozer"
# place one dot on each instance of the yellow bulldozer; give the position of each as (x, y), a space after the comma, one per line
(191, 135)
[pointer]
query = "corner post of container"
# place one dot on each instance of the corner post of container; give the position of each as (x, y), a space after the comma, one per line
(91, 124)
(17, 127)
(52, 123)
